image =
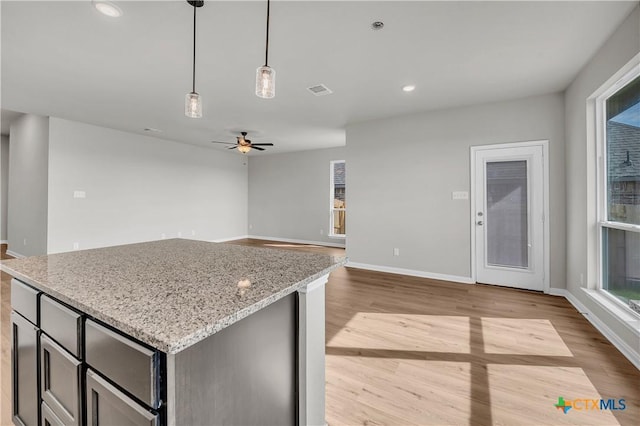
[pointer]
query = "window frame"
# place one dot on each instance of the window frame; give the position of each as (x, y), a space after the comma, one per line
(602, 208)
(332, 209)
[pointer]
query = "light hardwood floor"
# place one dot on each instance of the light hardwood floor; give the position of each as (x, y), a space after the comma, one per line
(413, 351)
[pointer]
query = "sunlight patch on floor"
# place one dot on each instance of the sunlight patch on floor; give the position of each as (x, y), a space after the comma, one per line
(526, 395)
(405, 332)
(370, 388)
(291, 245)
(518, 336)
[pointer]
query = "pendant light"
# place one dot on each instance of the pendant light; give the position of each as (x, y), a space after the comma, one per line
(193, 102)
(265, 75)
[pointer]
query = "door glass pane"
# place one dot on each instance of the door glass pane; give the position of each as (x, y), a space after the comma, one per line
(507, 230)
(621, 264)
(623, 154)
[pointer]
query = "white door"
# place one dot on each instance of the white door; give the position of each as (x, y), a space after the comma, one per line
(509, 216)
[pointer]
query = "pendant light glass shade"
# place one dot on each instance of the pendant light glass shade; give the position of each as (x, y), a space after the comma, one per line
(244, 148)
(193, 105)
(265, 82)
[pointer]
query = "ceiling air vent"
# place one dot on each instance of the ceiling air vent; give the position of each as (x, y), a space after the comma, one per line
(319, 90)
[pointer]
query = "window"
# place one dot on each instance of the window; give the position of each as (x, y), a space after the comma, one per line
(619, 212)
(337, 199)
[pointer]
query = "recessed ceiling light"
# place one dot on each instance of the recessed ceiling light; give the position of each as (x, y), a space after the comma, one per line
(408, 88)
(107, 8)
(377, 25)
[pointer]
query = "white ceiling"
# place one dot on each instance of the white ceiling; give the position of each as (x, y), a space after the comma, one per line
(65, 59)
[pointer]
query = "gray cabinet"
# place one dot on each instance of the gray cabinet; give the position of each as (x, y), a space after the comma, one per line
(60, 381)
(49, 342)
(108, 406)
(24, 369)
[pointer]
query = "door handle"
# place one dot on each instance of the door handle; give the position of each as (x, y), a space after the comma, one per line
(479, 223)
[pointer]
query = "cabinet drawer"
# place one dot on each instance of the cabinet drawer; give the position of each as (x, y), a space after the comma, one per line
(60, 375)
(128, 364)
(24, 300)
(62, 324)
(49, 418)
(107, 406)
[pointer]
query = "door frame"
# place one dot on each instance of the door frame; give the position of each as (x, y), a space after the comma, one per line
(545, 200)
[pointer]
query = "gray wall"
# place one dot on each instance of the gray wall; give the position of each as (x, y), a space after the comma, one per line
(28, 164)
(582, 256)
(138, 188)
(4, 186)
(289, 195)
(402, 171)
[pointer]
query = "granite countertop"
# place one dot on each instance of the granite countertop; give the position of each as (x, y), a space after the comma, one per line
(173, 293)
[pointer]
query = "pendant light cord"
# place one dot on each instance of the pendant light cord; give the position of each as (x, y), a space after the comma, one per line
(266, 55)
(193, 90)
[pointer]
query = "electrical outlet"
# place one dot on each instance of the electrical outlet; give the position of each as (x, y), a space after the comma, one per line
(24, 242)
(250, 226)
(163, 236)
(193, 232)
(322, 232)
(179, 234)
(79, 194)
(396, 252)
(460, 195)
(76, 246)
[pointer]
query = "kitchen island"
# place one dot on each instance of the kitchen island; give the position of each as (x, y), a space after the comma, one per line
(184, 332)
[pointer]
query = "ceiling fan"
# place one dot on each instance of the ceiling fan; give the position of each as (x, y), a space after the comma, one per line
(244, 145)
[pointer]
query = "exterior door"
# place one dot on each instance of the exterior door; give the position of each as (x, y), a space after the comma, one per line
(509, 216)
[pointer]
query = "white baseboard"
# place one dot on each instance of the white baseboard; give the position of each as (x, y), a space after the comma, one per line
(4, 241)
(557, 292)
(612, 337)
(16, 255)
(224, 240)
(411, 272)
(295, 241)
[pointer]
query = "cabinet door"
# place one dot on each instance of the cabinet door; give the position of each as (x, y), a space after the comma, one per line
(49, 418)
(24, 371)
(60, 381)
(107, 406)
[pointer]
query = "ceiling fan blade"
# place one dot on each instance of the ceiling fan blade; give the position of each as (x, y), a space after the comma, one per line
(232, 147)
(261, 144)
(228, 143)
(257, 147)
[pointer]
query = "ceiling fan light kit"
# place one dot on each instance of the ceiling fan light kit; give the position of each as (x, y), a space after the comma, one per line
(244, 148)
(265, 75)
(244, 145)
(193, 102)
